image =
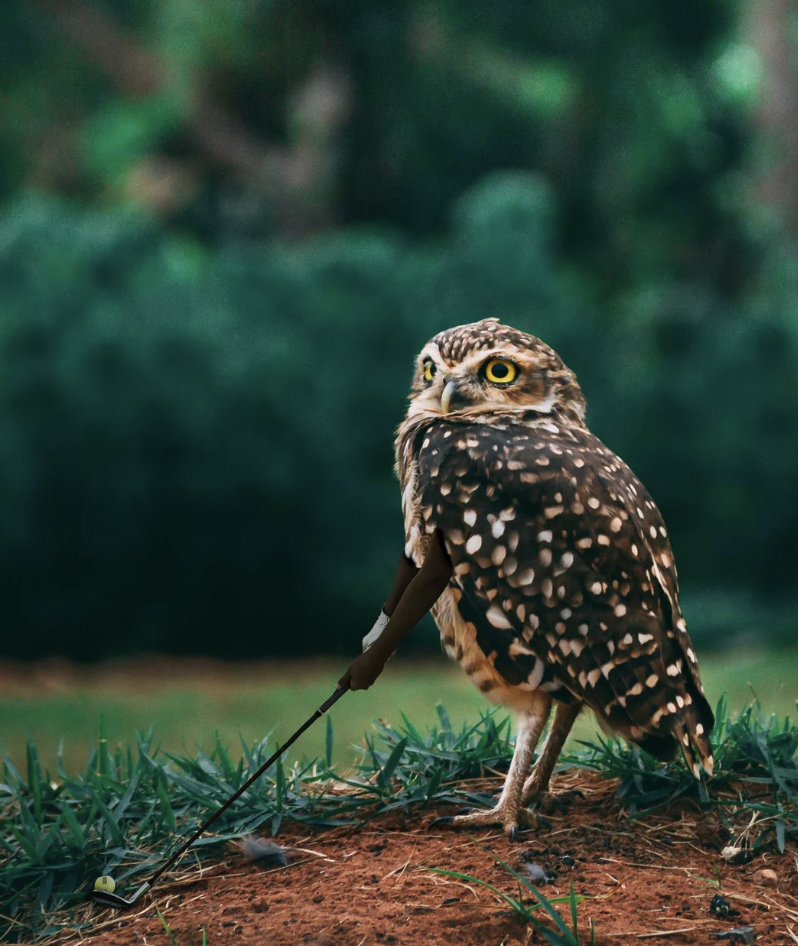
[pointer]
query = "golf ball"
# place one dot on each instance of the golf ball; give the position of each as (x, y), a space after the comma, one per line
(105, 883)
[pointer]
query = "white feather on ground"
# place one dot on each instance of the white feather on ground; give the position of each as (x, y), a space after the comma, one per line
(264, 853)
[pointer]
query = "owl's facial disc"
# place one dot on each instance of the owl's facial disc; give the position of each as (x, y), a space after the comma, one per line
(481, 381)
(485, 367)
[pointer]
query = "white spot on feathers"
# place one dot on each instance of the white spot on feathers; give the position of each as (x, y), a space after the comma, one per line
(474, 544)
(497, 618)
(536, 675)
(517, 647)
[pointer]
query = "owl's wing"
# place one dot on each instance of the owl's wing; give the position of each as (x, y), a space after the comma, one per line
(562, 556)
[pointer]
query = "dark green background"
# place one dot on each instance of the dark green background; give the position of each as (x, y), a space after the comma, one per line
(197, 406)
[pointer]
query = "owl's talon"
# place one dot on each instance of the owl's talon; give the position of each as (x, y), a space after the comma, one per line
(512, 820)
(444, 819)
(549, 802)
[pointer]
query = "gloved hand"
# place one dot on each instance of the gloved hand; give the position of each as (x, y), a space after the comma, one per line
(375, 632)
(363, 670)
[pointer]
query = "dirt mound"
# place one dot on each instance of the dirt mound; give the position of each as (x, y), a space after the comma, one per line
(643, 880)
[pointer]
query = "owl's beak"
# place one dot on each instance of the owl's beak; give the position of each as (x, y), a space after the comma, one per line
(449, 391)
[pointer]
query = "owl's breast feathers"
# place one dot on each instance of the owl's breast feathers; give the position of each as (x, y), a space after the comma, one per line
(563, 560)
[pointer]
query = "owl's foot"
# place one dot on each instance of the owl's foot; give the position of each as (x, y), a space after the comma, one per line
(510, 817)
(544, 800)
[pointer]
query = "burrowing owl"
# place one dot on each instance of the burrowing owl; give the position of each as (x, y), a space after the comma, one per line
(564, 586)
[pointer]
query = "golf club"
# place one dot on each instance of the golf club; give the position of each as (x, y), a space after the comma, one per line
(108, 899)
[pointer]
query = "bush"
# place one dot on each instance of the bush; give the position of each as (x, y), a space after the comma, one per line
(197, 447)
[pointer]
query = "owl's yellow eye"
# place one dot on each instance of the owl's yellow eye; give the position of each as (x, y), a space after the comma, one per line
(499, 371)
(429, 370)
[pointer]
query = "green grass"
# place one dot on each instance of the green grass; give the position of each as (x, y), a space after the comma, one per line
(522, 906)
(171, 935)
(186, 711)
(129, 808)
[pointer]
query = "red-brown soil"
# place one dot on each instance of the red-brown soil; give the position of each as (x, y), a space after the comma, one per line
(649, 880)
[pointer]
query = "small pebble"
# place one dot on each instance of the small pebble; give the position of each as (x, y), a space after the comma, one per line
(766, 878)
(260, 905)
(568, 860)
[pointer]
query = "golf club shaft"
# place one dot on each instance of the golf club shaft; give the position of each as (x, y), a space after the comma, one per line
(319, 712)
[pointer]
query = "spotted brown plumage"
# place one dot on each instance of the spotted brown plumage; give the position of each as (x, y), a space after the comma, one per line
(564, 585)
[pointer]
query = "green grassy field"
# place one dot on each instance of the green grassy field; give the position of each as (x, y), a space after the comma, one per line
(187, 702)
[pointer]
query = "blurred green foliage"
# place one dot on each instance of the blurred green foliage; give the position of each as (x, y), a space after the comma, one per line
(637, 115)
(196, 445)
(197, 408)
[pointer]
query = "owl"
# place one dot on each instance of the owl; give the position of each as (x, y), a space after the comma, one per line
(563, 590)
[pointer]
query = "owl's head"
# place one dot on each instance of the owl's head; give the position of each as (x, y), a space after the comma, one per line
(489, 367)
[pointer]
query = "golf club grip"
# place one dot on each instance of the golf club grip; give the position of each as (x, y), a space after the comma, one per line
(319, 712)
(329, 702)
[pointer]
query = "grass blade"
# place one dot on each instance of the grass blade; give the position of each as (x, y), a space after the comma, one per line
(328, 742)
(386, 773)
(165, 925)
(546, 904)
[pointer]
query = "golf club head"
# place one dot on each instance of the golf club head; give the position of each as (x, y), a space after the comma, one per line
(116, 902)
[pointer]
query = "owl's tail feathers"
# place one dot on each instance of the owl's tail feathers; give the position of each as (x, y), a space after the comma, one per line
(692, 735)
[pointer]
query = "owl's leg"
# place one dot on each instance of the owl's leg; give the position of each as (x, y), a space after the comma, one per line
(536, 788)
(509, 812)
